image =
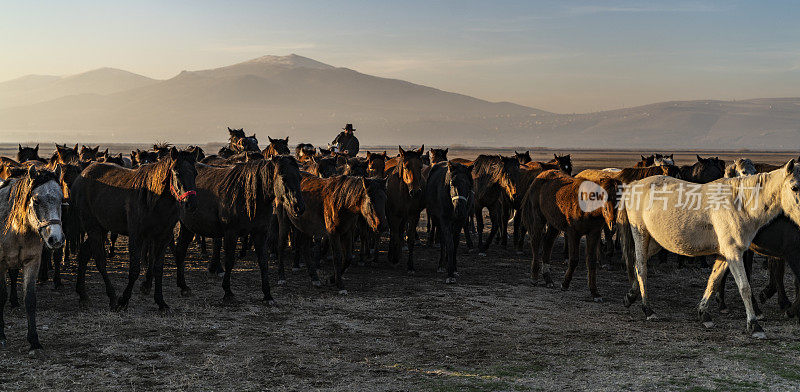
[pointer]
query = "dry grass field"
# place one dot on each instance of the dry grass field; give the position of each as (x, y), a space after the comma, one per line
(392, 332)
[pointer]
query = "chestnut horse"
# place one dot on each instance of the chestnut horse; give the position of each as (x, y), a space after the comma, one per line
(141, 204)
(333, 208)
(556, 201)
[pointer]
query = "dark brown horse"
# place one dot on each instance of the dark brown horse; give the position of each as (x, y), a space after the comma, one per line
(235, 201)
(141, 204)
(562, 203)
(89, 154)
(355, 166)
(238, 141)
(333, 207)
(376, 165)
(66, 154)
(405, 188)
(523, 157)
(322, 167)
(448, 197)
(304, 152)
(276, 147)
(493, 176)
(140, 157)
(436, 155)
(704, 170)
(25, 154)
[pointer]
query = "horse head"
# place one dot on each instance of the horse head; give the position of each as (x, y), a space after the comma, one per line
(181, 177)
(286, 183)
(436, 155)
(373, 205)
(523, 157)
(27, 153)
(410, 170)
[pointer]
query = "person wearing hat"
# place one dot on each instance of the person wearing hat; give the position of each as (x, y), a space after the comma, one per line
(346, 142)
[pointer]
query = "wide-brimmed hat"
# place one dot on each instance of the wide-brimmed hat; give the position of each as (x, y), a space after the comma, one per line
(349, 127)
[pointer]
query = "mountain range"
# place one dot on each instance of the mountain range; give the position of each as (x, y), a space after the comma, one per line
(309, 101)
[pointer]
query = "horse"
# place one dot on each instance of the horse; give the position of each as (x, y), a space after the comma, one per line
(333, 207)
(436, 155)
(115, 159)
(10, 168)
(523, 157)
(276, 147)
(564, 163)
(25, 154)
(740, 167)
(656, 160)
(704, 170)
(304, 152)
(376, 165)
(355, 166)
(162, 149)
(140, 157)
(238, 200)
(198, 151)
(30, 208)
(448, 193)
(325, 151)
(493, 176)
(561, 203)
(322, 167)
(141, 204)
(65, 155)
(405, 191)
(735, 210)
(88, 154)
(238, 141)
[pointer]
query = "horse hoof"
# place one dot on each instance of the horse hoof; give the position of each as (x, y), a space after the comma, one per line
(724, 310)
(482, 254)
(145, 290)
(652, 317)
(520, 253)
(760, 316)
(550, 285)
(229, 299)
(410, 272)
(119, 307)
(708, 324)
(165, 311)
(270, 301)
(440, 270)
(186, 292)
(598, 299)
(342, 292)
(281, 282)
(316, 283)
(3, 344)
(295, 269)
(759, 335)
(564, 287)
(58, 287)
(36, 353)
(450, 280)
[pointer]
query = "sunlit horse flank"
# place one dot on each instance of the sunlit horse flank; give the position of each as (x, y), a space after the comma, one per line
(30, 206)
(726, 232)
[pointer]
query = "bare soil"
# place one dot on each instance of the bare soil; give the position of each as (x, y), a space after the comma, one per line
(493, 330)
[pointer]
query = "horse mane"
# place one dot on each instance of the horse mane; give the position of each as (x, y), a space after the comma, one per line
(20, 196)
(243, 182)
(630, 174)
(344, 192)
(151, 180)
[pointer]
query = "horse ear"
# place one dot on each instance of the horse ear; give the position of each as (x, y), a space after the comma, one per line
(271, 140)
(446, 150)
(106, 153)
(402, 152)
(421, 150)
(76, 147)
(790, 167)
(97, 148)
(556, 157)
(385, 155)
(287, 138)
(20, 147)
(173, 153)
(699, 159)
(36, 148)
(470, 166)
(230, 130)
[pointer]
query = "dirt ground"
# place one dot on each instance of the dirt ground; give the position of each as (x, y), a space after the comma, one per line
(492, 330)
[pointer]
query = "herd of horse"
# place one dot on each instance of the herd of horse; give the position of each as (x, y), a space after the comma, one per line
(321, 204)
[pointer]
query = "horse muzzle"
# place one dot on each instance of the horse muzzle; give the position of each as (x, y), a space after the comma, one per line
(52, 233)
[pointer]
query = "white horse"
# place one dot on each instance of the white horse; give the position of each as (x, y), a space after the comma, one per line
(661, 212)
(30, 214)
(740, 167)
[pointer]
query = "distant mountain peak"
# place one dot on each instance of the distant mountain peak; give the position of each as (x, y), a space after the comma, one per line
(290, 61)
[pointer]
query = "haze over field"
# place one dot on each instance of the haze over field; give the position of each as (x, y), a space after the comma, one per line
(308, 100)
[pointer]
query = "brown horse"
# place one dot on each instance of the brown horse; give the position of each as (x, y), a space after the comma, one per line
(436, 155)
(238, 141)
(304, 152)
(405, 201)
(355, 166)
(141, 204)
(89, 154)
(140, 157)
(493, 176)
(235, 201)
(559, 202)
(66, 154)
(25, 154)
(333, 208)
(523, 157)
(276, 147)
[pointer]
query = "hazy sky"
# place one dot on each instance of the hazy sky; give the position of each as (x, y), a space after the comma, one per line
(563, 56)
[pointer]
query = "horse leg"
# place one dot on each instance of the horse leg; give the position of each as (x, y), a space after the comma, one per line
(304, 246)
(245, 240)
(336, 243)
(719, 290)
(536, 230)
(283, 236)
(147, 257)
(468, 227)
(495, 215)
(736, 266)
(519, 232)
(184, 239)
(479, 228)
(395, 234)
(58, 254)
(99, 255)
(411, 234)
(456, 239)
(779, 268)
(262, 255)
(12, 277)
(574, 242)
(84, 252)
(592, 249)
(30, 270)
(446, 239)
(641, 243)
(748, 269)
(159, 247)
(505, 215)
(715, 282)
(229, 242)
(215, 265)
(203, 246)
(136, 251)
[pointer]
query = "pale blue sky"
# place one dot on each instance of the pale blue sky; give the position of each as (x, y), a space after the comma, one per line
(563, 56)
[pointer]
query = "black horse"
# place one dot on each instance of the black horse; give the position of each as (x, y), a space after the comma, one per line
(235, 201)
(447, 200)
